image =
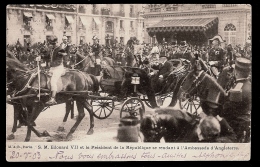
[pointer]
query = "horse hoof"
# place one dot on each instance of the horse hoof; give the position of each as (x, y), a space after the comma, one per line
(27, 140)
(61, 129)
(45, 134)
(10, 137)
(90, 132)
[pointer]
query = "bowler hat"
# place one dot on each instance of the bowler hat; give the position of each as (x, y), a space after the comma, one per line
(183, 44)
(243, 64)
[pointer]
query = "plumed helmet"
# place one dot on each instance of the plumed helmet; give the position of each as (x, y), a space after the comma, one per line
(218, 38)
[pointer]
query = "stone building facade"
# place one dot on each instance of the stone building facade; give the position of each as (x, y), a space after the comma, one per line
(233, 20)
(36, 22)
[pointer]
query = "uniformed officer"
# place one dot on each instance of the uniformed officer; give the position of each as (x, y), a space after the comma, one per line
(237, 110)
(96, 49)
(184, 53)
(57, 68)
(216, 54)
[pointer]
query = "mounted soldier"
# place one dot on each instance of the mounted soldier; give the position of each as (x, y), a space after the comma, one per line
(57, 68)
(216, 55)
(237, 110)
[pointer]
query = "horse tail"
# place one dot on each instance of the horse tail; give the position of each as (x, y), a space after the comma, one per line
(95, 83)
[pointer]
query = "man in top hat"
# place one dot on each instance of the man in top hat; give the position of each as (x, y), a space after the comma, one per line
(237, 110)
(96, 49)
(183, 52)
(174, 51)
(216, 55)
(57, 67)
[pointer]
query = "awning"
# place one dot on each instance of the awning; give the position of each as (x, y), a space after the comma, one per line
(196, 24)
(83, 20)
(70, 19)
(28, 14)
(50, 16)
(97, 21)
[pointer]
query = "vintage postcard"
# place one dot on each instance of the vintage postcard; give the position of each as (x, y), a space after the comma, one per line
(128, 82)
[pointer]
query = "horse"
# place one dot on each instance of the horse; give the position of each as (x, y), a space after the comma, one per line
(227, 78)
(173, 125)
(206, 87)
(73, 80)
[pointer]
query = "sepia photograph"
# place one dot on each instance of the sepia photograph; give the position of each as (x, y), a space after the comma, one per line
(128, 82)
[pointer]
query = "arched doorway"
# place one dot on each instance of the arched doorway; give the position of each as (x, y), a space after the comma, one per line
(230, 34)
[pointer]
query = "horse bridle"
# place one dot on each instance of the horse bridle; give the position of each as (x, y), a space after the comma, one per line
(195, 83)
(155, 127)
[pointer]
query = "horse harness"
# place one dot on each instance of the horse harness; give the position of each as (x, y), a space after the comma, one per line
(195, 83)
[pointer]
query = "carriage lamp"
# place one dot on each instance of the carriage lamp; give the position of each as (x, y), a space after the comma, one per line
(135, 79)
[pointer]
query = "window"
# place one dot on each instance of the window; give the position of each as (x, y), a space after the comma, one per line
(131, 9)
(69, 38)
(82, 40)
(121, 24)
(94, 25)
(132, 24)
(230, 34)
(121, 7)
(81, 9)
(109, 26)
(122, 40)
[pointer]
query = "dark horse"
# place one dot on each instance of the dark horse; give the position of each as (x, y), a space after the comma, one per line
(73, 80)
(207, 89)
(172, 124)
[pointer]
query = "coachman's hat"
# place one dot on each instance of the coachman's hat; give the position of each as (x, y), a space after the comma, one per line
(242, 64)
(183, 44)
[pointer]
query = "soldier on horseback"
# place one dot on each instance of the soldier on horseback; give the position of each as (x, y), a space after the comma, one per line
(57, 67)
(216, 55)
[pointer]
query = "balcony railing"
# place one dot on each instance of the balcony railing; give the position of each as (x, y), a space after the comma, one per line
(172, 9)
(109, 29)
(121, 13)
(132, 14)
(155, 10)
(95, 11)
(82, 27)
(208, 6)
(49, 28)
(105, 11)
(229, 5)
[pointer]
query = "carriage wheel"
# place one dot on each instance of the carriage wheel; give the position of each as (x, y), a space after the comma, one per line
(102, 108)
(133, 107)
(189, 103)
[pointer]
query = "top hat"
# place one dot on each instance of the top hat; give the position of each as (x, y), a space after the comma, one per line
(218, 38)
(183, 44)
(243, 64)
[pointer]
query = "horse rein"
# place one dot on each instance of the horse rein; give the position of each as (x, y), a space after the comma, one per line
(196, 82)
